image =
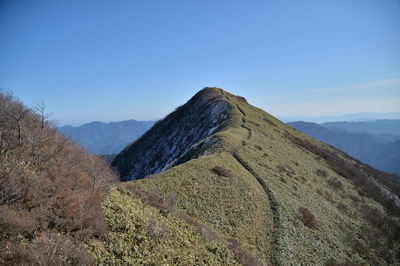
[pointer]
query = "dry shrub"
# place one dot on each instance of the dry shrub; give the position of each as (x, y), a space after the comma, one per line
(14, 222)
(380, 233)
(219, 170)
(14, 181)
(149, 198)
(384, 224)
(48, 185)
(286, 169)
(258, 147)
(358, 247)
(355, 199)
(321, 173)
(335, 184)
(307, 218)
(329, 197)
(49, 249)
(242, 256)
(342, 207)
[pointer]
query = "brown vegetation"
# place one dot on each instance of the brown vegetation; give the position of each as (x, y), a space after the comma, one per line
(258, 147)
(322, 173)
(242, 256)
(307, 218)
(222, 171)
(286, 169)
(50, 189)
(335, 184)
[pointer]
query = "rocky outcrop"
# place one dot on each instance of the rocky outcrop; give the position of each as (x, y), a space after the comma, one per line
(170, 139)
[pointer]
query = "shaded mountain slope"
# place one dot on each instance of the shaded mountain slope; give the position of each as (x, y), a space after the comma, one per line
(167, 141)
(106, 138)
(388, 158)
(272, 194)
(371, 149)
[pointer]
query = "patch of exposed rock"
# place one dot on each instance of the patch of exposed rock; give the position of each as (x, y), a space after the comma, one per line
(171, 139)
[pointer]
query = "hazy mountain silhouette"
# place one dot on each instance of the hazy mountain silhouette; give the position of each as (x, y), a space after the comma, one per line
(386, 128)
(106, 138)
(353, 117)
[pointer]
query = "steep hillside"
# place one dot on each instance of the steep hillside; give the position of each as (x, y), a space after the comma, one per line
(51, 191)
(174, 136)
(260, 190)
(106, 138)
(368, 148)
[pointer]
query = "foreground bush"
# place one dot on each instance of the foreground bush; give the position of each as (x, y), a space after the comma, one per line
(50, 189)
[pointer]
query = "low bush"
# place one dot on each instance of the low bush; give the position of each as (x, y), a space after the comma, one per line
(321, 173)
(48, 249)
(386, 225)
(219, 170)
(307, 218)
(286, 169)
(242, 256)
(335, 184)
(342, 207)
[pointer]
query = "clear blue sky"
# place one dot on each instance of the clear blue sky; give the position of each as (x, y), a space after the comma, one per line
(113, 60)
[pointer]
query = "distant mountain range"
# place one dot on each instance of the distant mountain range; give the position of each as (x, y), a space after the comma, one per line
(383, 129)
(106, 138)
(376, 143)
(354, 117)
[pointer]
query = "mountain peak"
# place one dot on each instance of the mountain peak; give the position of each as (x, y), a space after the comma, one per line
(170, 139)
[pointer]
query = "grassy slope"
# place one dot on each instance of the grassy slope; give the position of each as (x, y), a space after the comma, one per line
(141, 234)
(259, 205)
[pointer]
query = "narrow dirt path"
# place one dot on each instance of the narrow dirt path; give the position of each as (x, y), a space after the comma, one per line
(276, 217)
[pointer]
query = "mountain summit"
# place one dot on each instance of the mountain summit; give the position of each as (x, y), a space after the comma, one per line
(171, 139)
(242, 187)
